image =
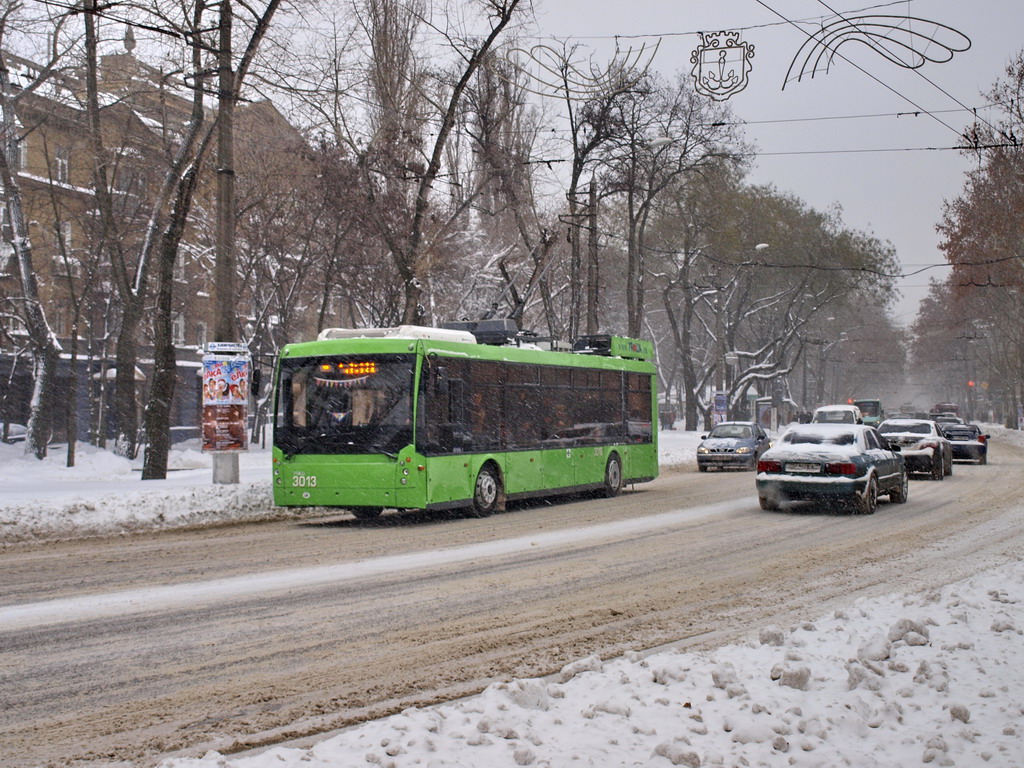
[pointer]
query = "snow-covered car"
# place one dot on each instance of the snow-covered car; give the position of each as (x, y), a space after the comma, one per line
(16, 433)
(732, 444)
(838, 414)
(967, 441)
(924, 447)
(835, 464)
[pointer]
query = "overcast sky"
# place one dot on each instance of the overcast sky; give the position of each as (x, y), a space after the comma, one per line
(894, 191)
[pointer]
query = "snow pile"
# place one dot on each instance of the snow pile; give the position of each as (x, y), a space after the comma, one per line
(924, 679)
(677, 448)
(103, 495)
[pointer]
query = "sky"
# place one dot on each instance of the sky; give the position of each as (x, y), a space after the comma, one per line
(902, 679)
(887, 162)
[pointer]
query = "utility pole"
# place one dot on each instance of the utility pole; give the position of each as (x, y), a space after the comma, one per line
(592, 265)
(225, 465)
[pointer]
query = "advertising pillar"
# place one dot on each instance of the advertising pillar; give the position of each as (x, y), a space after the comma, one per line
(226, 376)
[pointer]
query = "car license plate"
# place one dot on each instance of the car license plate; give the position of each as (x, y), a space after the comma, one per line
(798, 466)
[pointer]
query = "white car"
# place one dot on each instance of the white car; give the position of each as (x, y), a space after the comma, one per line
(16, 433)
(838, 414)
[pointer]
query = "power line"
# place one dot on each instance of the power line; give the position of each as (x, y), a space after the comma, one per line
(915, 70)
(695, 33)
(867, 115)
(856, 66)
(958, 148)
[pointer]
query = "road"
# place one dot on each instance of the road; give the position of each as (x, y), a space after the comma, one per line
(228, 638)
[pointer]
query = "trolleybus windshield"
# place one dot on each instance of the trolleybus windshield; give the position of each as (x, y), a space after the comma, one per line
(345, 404)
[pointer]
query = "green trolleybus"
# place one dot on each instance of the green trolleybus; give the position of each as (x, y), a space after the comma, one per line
(430, 418)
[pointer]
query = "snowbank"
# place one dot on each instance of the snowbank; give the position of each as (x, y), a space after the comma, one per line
(103, 494)
(897, 681)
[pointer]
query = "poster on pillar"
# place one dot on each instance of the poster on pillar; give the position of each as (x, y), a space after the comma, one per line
(225, 403)
(721, 408)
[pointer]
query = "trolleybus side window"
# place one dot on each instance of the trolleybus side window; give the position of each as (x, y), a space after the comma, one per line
(485, 405)
(638, 407)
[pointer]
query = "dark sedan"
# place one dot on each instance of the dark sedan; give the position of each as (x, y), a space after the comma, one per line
(732, 444)
(924, 447)
(835, 464)
(968, 442)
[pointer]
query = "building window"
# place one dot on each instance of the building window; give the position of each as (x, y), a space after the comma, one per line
(62, 165)
(178, 329)
(179, 268)
(201, 334)
(64, 236)
(12, 325)
(20, 159)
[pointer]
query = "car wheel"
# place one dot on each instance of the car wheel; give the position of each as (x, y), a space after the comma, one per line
(938, 472)
(486, 492)
(613, 476)
(983, 459)
(898, 495)
(949, 467)
(768, 503)
(867, 502)
(702, 467)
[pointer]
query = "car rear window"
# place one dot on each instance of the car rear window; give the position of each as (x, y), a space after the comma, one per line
(914, 429)
(813, 438)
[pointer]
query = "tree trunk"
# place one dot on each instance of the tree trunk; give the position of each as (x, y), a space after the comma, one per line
(72, 404)
(126, 403)
(42, 343)
(161, 390)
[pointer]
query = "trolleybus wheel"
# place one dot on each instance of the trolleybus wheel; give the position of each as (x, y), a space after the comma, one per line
(366, 513)
(613, 476)
(487, 491)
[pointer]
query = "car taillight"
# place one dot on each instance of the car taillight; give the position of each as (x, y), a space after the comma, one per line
(981, 438)
(841, 468)
(769, 466)
(929, 444)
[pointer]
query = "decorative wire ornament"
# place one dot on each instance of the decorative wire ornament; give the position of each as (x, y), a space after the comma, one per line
(891, 37)
(721, 64)
(561, 77)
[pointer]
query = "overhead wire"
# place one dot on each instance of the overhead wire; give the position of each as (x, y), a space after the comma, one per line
(856, 66)
(915, 70)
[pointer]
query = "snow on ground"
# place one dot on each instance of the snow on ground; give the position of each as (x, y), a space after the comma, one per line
(104, 495)
(903, 680)
(895, 681)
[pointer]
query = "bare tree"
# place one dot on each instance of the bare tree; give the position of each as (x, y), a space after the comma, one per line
(42, 342)
(669, 134)
(165, 243)
(400, 164)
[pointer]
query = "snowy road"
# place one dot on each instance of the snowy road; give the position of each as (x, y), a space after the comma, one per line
(124, 649)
